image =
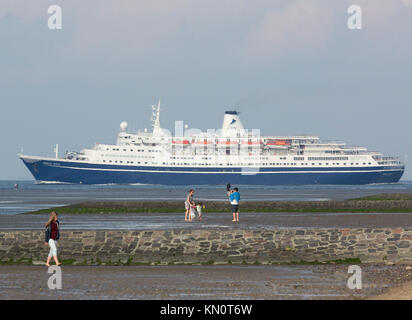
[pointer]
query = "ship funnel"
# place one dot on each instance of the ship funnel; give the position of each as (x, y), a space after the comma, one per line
(232, 126)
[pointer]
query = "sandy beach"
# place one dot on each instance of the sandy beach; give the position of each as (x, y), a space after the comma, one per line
(204, 282)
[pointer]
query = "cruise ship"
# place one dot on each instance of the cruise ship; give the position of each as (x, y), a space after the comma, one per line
(231, 154)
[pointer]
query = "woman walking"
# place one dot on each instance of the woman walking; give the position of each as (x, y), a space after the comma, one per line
(189, 203)
(51, 236)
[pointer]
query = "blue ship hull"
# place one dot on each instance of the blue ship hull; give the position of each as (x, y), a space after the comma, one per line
(59, 171)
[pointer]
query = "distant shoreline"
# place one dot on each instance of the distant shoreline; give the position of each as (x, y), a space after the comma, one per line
(385, 202)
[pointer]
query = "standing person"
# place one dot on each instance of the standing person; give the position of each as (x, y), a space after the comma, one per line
(52, 234)
(234, 198)
(189, 203)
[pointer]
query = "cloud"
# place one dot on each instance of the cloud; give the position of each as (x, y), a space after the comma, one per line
(24, 10)
(259, 31)
(304, 25)
(377, 14)
(407, 3)
(120, 27)
(124, 27)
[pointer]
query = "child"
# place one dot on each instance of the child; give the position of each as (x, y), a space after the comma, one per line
(199, 210)
(192, 214)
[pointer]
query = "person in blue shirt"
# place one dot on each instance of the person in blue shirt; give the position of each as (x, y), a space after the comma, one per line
(234, 198)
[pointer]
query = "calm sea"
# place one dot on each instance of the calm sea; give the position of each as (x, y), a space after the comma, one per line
(30, 196)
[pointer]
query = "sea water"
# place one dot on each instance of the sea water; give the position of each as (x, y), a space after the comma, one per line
(30, 196)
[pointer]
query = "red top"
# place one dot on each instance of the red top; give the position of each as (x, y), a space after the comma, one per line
(53, 234)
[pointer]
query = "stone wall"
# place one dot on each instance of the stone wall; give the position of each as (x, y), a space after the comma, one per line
(218, 246)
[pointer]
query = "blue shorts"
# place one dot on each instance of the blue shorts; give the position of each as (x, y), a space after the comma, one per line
(235, 208)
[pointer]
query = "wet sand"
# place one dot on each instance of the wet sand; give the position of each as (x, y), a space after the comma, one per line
(46, 196)
(159, 221)
(199, 282)
(400, 292)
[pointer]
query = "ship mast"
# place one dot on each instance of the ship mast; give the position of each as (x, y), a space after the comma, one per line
(157, 131)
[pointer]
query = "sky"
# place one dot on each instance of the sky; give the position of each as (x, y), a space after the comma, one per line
(290, 67)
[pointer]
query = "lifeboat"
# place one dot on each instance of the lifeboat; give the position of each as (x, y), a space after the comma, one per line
(278, 142)
(181, 142)
(225, 142)
(202, 142)
(252, 142)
